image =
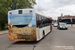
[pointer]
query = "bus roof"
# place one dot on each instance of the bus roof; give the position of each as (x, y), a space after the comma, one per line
(40, 13)
(36, 11)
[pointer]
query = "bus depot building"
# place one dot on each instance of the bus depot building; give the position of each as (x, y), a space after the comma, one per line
(69, 20)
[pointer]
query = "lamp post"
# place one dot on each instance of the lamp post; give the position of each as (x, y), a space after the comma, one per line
(14, 4)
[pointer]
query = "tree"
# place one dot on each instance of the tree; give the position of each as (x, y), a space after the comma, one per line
(6, 5)
(55, 20)
(3, 15)
(19, 4)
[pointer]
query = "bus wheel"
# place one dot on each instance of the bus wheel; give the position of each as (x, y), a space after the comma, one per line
(43, 34)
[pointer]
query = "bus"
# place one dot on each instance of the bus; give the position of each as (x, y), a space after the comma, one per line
(28, 25)
(67, 20)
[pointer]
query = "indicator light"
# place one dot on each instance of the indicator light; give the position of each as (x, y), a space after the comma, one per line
(10, 13)
(30, 11)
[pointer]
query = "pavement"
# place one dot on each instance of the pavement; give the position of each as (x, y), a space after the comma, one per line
(56, 40)
(3, 32)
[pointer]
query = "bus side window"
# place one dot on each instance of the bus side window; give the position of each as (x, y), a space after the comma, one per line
(49, 21)
(38, 20)
(44, 21)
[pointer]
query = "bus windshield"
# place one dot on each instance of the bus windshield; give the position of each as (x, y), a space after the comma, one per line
(21, 19)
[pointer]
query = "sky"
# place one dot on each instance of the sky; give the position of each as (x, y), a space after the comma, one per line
(54, 8)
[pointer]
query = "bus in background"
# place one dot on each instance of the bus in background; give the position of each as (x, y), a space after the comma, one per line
(28, 25)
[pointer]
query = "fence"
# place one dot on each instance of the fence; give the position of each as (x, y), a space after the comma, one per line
(71, 25)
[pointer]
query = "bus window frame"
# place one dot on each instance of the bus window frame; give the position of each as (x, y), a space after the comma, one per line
(44, 19)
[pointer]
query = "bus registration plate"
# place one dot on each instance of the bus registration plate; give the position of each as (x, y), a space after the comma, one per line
(21, 39)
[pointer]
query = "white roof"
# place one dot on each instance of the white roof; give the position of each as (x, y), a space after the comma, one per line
(36, 11)
(40, 13)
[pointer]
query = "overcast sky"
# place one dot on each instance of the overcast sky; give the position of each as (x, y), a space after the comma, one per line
(54, 8)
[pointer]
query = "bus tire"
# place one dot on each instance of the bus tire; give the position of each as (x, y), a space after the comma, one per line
(43, 34)
(66, 28)
(59, 28)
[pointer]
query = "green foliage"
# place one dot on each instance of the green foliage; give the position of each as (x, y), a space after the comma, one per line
(19, 4)
(55, 20)
(7, 5)
(3, 14)
(6, 27)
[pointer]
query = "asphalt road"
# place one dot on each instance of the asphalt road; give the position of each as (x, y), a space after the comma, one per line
(56, 40)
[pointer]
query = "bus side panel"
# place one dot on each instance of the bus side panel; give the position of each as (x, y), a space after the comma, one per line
(37, 34)
(45, 29)
(41, 32)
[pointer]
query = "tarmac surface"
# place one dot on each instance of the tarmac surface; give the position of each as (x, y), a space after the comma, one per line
(56, 40)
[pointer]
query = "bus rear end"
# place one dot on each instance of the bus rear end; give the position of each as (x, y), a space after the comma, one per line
(22, 25)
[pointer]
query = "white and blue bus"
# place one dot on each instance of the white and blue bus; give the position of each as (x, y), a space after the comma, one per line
(28, 25)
